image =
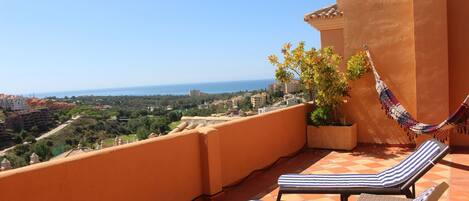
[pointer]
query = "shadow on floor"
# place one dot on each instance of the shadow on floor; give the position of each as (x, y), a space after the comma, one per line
(263, 183)
(384, 153)
(455, 165)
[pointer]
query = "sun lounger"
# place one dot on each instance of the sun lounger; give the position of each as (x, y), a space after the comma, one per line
(398, 180)
(431, 194)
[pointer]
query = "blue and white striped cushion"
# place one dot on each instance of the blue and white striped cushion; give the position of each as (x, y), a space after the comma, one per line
(411, 165)
(330, 180)
(388, 178)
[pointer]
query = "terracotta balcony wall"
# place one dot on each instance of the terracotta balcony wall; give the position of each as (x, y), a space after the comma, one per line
(174, 167)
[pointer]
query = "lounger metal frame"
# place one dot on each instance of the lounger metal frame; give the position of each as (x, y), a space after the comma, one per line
(406, 188)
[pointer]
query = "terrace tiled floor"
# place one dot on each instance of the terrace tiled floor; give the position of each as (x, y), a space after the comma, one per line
(454, 169)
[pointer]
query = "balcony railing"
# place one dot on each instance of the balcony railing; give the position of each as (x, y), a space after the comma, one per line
(179, 166)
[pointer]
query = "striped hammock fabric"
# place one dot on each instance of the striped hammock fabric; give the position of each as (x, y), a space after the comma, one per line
(396, 111)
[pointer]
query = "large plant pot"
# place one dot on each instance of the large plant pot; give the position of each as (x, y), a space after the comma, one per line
(332, 137)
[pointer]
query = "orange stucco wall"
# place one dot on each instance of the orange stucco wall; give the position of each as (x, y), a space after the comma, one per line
(175, 167)
(167, 168)
(387, 28)
(458, 48)
(333, 38)
(256, 142)
(431, 56)
(409, 45)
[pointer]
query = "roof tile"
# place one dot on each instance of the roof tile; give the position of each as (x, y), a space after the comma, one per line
(326, 12)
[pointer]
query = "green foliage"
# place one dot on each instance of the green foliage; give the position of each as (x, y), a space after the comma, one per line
(173, 125)
(319, 73)
(135, 114)
(320, 116)
(142, 133)
(159, 125)
(22, 150)
(174, 116)
(42, 150)
(151, 124)
(331, 84)
(35, 130)
(62, 115)
(296, 63)
(16, 161)
(245, 104)
(30, 139)
(357, 66)
(199, 112)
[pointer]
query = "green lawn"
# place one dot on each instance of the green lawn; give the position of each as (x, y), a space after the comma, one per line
(173, 125)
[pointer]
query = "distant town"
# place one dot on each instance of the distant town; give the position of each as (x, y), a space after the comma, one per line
(34, 130)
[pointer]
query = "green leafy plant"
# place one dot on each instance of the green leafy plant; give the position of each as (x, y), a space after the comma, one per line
(297, 63)
(357, 66)
(319, 73)
(320, 116)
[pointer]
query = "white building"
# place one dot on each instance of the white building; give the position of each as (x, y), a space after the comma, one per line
(11, 102)
(195, 92)
(236, 100)
(259, 100)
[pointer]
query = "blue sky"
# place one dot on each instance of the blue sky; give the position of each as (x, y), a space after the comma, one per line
(66, 45)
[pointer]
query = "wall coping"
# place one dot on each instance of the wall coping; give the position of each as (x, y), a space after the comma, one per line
(108, 150)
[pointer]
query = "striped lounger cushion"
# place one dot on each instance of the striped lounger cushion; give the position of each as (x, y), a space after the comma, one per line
(388, 178)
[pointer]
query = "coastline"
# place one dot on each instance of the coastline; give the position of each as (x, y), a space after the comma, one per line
(174, 89)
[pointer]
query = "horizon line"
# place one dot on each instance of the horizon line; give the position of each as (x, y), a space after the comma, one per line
(139, 86)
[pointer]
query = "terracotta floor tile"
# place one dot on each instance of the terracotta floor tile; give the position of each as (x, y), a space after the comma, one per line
(454, 169)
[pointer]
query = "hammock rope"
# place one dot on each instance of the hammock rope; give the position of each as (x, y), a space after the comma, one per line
(394, 110)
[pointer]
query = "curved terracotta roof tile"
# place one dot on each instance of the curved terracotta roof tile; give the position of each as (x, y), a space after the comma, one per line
(323, 13)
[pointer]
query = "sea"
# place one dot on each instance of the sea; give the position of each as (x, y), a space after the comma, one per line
(175, 89)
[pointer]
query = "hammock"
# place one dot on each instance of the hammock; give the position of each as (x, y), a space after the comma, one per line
(396, 111)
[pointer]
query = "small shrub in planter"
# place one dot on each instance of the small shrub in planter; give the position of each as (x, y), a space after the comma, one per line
(318, 70)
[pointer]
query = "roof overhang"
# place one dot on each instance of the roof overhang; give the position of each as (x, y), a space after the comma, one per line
(327, 24)
(327, 18)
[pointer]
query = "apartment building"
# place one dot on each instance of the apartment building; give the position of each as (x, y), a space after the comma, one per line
(259, 100)
(13, 103)
(195, 92)
(51, 104)
(293, 86)
(26, 119)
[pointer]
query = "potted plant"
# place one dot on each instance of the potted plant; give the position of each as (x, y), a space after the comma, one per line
(328, 87)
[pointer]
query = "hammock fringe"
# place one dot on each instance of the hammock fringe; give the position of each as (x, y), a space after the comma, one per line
(458, 121)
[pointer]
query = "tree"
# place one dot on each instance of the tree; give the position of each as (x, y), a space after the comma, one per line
(142, 133)
(174, 116)
(42, 150)
(331, 84)
(17, 139)
(22, 149)
(16, 161)
(296, 63)
(30, 139)
(319, 73)
(35, 130)
(160, 125)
